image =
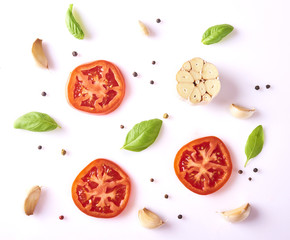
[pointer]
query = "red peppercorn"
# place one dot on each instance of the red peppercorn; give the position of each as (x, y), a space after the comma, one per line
(61, 217)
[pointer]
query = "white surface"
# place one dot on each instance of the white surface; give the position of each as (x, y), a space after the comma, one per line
(256, 53)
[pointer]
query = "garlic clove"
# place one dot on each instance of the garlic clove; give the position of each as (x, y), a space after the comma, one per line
(31, 200)
(186, 66)
(38, 53)
(213, 86)
(195, 75)
(184, 89)
(209, 71)
(144, 28)
(149, 219)
(184, 77)
(197, 64)
(206, 98)
(238, 214)
(195, 96)
(241, 112)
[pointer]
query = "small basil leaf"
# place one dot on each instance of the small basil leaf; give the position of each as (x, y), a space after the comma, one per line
(254, 143)
(72, 25)
(142, 135)
(35, 122)
(216, 33)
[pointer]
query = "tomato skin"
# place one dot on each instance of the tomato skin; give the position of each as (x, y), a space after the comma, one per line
(100, 180)
(97, 87)
(203, 165)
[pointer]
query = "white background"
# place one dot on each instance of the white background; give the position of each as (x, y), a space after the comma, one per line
(257, 52)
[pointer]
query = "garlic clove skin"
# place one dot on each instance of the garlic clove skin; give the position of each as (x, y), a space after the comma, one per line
(38, 53)
(149, 219)
(241, 112)
(238, 214)
(31, 200)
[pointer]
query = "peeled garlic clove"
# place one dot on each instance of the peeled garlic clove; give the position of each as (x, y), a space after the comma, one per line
(184, 89)
(209, 71)
(184, 76)
(238, 214)
(149, 219)
(212, 87)
(31, 200)
(38, 53)
(197, 64)
(144, 28)
(241, 112)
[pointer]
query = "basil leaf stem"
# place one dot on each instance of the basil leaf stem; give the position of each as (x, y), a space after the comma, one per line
(254, 143)
(72, 25)
(142, 135)
(36, 122)
(216, 33)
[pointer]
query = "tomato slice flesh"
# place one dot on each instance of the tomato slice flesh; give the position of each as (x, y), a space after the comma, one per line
(98, 190)
(203, 167)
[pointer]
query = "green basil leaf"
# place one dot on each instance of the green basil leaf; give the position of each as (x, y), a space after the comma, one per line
(35, 122)
(72, 25)
(142, 135)
(216, 33)
(254, 143)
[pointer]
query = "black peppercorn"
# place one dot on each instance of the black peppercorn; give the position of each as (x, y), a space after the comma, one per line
(255, 170)
(268, 86)
(240, 171)
(151, 82)
(74, 53)
(43, 94)
(257, 87)
(153, 62)
(135, 74)
(151, 179)
(179, 216)
(39, 147)
(166, 196)
(250, 179)
(158, 20)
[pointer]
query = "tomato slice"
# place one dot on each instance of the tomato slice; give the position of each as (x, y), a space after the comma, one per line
(203, 165)
(97, 87)
(101, 189)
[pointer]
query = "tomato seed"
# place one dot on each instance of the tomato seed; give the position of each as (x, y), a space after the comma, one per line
(179, 216)
(158, 20)
(250, 179)
(63, 152)
(61, 217)
(257, 87)
(268, 86)
(135, 74)
(43, 94)
(240, 171)
(39, 147)
(151, 179)
(151, 82)
(74, 53)
(153, 62)
(255, 170)
(121, 126)
(166, 196)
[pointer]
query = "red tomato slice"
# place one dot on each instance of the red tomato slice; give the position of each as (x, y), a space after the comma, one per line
(203, 165)
(97, 87)
(101, 189)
